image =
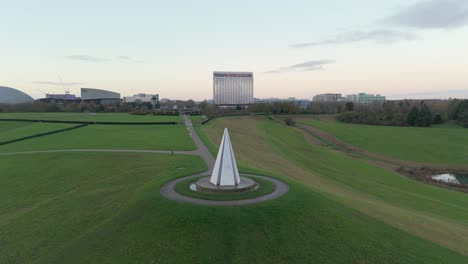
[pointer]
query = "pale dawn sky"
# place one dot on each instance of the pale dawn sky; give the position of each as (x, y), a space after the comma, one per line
(299, 48)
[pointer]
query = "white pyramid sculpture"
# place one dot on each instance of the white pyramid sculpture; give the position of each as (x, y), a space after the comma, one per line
(225, 171)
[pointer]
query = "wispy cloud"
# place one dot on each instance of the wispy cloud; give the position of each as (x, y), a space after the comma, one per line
(312, 65)
(378, 35)
(128, 59)
(94, 59)
(86, 58)
(59, 83)
(444, 14)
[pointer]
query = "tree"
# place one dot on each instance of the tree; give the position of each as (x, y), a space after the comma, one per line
(462, 118)
(438, 119)
(413, 116)
(425, 116)
(349, 106)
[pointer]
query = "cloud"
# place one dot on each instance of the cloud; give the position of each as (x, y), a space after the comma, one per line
(86, 58)
(59, 83)
(378, 35)
(426, 14)
(312, 65)
(128, 59)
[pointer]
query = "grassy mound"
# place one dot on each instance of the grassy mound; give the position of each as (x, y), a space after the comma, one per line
(96, 208)
(432, 213)
(448, 145)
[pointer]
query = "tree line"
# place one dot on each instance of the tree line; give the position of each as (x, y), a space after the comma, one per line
(409, 113)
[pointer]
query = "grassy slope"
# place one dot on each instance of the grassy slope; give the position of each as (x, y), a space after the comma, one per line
(433, 213)
(103, 117)
(13, 130)
(96, 208)
(161, 137)
(436, 145)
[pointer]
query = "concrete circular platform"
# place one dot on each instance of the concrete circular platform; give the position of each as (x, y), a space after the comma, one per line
(167, 190)
(245, 184)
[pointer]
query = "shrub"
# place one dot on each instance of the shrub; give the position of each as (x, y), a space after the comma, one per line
(289, 121)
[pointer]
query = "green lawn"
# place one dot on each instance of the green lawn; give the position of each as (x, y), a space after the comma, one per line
(149, 137)
(92, 117)
(430, 212)
(106, 208)
(13, 130)
(197, 119)
(432, 145)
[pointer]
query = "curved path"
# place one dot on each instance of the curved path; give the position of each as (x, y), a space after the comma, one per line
(167, 190)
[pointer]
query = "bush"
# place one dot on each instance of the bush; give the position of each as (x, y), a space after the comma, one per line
(462, 118)
(289, 121)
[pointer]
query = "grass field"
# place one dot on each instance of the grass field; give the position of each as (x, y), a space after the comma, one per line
(14, 130)
(156, 137)
(447, 145)
(106, 208)
(196, 119)
(92, 117)
(433, 213)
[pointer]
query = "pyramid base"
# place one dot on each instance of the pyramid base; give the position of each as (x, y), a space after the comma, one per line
(245, 184)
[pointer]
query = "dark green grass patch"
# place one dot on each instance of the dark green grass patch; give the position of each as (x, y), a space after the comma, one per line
(265, 188)
(447, 145)
(106, 208)
(14, 130)
(145, 137)
(92, 117)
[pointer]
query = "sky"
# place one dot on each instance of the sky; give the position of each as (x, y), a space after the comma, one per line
(296, 48)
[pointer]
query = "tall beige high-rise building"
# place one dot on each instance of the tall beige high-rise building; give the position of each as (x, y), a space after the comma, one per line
(233, 88)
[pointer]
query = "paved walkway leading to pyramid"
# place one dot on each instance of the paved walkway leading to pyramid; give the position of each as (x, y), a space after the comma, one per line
(202, 150)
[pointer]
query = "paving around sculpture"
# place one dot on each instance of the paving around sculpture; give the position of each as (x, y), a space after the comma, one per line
(224, 179)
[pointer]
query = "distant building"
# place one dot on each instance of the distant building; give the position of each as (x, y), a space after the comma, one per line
(99, 96)
(12, 96)
(233, 88)
(364, 98)
(63, 97)
(139, 98)
(328, 97)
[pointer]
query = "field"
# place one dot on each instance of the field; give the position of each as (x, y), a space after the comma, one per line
(161, 137)
(15, 130)
(433, 213)
(108, 209)
(88, 207)
(447, 145)
(91, 117)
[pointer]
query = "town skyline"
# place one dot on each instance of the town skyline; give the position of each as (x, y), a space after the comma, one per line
(173, 48)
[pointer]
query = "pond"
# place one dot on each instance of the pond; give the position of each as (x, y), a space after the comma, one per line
(452, 178)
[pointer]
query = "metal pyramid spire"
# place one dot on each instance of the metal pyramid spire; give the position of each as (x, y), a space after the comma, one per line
(225, 171)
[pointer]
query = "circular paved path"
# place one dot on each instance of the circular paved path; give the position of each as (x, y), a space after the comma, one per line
(167, 190)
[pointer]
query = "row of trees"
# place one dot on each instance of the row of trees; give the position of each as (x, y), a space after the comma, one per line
(166, 106)
(409, 113)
